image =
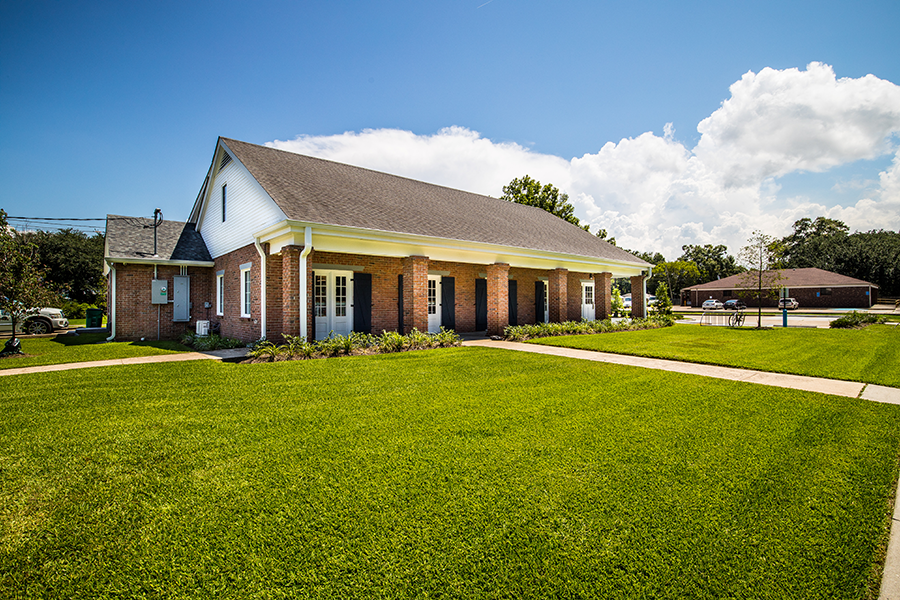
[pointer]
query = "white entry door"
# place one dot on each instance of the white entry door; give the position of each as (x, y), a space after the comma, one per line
(332, 293)
(587, 301)
(434, 303)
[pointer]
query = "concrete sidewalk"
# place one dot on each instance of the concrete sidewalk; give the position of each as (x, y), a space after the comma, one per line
(850, 389)
(135, 360)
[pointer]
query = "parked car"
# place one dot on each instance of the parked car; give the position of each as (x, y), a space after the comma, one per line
(734, 304)
(712, 304)
(788, 303)
(46, 320)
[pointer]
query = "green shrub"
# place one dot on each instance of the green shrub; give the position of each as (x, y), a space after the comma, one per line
(263, 349)
(663, 306)
(391, 341)
(855, 320)
(520, 333)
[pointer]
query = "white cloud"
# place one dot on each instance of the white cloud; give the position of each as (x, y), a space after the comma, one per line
(653, 193)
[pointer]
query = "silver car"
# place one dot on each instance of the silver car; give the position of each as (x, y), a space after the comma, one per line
(713, 304)
(46, 320)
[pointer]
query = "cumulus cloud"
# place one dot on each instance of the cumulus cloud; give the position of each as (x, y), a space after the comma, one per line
(652, 192)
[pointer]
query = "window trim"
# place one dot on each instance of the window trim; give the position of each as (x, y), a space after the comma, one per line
(246, 290)
(220, 293)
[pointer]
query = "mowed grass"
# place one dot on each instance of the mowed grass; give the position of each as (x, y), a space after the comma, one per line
(83, 347)
(457, 473)
(870, 355)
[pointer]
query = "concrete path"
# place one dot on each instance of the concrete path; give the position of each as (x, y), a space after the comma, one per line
(850, 389)
(135, 360)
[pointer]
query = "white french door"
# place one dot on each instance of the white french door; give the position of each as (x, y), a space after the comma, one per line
(587, 301)
(332, 306)
(434, 303)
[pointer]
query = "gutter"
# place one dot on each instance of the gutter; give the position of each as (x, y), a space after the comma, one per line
(111, 320)
(307, 248)
(262, 287)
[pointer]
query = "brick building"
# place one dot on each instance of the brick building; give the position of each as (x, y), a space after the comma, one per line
(280, 243)
(812, 288)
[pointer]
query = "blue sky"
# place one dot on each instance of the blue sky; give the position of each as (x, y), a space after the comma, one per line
(111, 107)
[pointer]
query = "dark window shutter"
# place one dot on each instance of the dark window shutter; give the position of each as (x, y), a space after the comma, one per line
(362, 302)
(448, 302)
(539, 301)
(400, 303)
(480, 304)
(513, 302)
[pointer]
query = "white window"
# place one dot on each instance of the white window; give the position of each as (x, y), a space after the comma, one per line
(432, 296)
(220, 293)
(245, 290)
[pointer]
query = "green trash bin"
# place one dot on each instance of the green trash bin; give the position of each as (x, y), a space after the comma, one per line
(94, 317)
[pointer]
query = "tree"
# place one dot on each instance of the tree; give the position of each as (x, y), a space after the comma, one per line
(675, 276)
(601, 233)
(23, 285)
(820, 244)
(529, 191)
(654, 258)
(663, 306)
(713, 262)
(761, 280)
(617, 304)
(74, 262)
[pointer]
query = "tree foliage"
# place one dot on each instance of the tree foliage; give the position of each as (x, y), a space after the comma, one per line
(712, 262)
(23, 281)
(529, 191)
(761, 280)
(74, 262)
(823, 243)
(663, 306)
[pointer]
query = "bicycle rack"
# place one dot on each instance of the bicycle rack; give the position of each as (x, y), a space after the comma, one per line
(714, 318)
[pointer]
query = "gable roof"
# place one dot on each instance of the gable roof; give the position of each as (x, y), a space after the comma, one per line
(790, 278)
(132, 238)
(314, 190)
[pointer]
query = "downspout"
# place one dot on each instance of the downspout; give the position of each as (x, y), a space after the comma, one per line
(644, 279)
(262, 288)
(307, 248)
(111, 320)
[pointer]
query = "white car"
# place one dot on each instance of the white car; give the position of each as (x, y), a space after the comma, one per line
(713, 304)
(788, 303)
(46, 320)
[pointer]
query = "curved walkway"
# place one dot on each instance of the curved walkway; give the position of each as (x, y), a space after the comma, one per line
(135, 360)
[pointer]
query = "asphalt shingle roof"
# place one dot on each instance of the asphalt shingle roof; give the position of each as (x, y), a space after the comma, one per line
(315, 190)
(810, 277)
(132, 237)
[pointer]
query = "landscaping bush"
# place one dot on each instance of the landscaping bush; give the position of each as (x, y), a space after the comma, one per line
(75, 310)
(356, 343)
(520, 333)
(855, 320)
(209, 342)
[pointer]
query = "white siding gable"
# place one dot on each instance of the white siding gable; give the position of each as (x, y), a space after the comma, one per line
(248, 209)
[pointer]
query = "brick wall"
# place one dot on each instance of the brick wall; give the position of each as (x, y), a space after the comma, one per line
(498, 298)
(231, 323)
(637, 296)
(136, 317)
(840, 297)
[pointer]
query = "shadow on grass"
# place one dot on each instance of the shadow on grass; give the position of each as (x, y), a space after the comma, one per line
(87, 339)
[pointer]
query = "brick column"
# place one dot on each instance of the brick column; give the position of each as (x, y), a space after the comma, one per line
(415, 293)
(290, 290)
(559, 295)
(637, 296)
(602, 295)
(497, 298)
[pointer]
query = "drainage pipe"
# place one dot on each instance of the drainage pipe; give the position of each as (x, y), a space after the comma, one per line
(262, 287)
(111, 306)
(307, 248)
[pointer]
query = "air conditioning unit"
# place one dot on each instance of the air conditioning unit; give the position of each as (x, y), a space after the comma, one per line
(202, 328)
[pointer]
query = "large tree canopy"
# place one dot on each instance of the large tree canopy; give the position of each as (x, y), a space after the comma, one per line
(529, 191)
(74, 262)
(872, 256)
(713, 262)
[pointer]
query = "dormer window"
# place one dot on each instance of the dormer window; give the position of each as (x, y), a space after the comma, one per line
(224, 190)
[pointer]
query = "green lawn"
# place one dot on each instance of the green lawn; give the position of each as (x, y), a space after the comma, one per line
(870, 355)
(457, 473)
(81, 348)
